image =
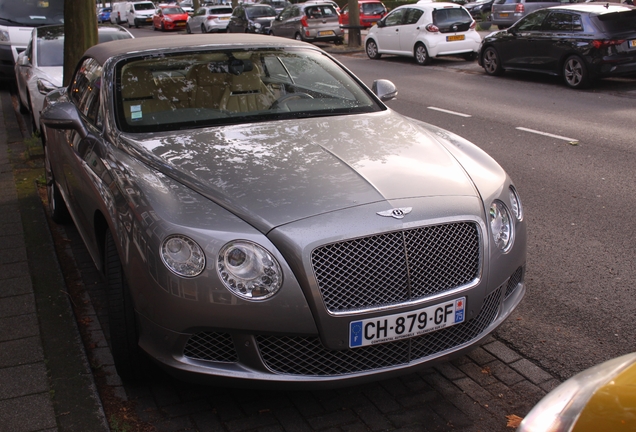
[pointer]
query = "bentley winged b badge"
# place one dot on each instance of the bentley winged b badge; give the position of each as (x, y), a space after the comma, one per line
(397, 213)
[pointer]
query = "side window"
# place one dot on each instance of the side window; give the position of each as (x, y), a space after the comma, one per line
(394, 18)
(85, 90)
(532, 21)
(413, 16)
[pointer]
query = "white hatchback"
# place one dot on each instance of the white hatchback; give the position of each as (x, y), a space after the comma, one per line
(425, 31)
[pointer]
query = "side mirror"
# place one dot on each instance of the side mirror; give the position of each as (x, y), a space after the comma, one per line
(63, 115)
(23, 61)
(384, 89)
(381, 23)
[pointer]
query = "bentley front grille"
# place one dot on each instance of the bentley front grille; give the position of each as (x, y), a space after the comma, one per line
(307, 356)
(396, 267)
(513, 282)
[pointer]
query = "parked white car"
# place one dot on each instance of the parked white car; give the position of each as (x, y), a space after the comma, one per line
(39, 68)
(425, 31)
(209, 19)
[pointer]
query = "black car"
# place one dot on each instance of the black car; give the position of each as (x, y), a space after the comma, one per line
(580, 42)
(479, 8)
(251, 18)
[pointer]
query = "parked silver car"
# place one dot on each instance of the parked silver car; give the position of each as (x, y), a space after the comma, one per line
(260, 215)
(309, 22)
(40, 67)
(505, 13)
(209, 19)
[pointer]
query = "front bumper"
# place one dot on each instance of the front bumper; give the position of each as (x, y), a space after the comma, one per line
(246, 359)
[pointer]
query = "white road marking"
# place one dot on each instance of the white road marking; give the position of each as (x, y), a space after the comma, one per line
(547, 134)
(449, 112)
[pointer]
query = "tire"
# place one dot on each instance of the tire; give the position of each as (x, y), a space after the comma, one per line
(203, 30)
(421, 55)
(298, 37)
(470, 56)
(338, 41)
(154, 27)
(575, 73)
(129, 24)
(57, 208)
(163, 28)
(372, 50)
(491, 62)
(188, 29)
(131, 363)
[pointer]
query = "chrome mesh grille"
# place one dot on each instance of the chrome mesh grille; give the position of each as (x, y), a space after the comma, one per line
(514, 280)
(396, 267)
(211, 346)
(307, 356)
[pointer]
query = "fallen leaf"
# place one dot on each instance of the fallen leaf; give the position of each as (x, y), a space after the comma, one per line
(513, 421)
(486, 370)
(574, 143)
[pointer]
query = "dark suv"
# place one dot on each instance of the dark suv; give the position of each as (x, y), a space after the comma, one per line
(251, 18)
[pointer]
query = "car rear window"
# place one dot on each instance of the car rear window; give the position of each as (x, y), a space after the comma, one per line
(220, 11)
(618, 21)
(500, 2)
(144, 6)
(373, 8)
(321, 11)
(446, 17)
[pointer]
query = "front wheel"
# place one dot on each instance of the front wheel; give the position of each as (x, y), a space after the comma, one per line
(421, 55)
(203, 30)
(470, 56)
(491, 62)
(372, 50)
(163, 27)
(130, 361)
(575, 73)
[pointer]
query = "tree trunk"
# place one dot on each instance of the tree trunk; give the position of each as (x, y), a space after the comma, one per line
(354, 24)
(80, 33)
(196, 5)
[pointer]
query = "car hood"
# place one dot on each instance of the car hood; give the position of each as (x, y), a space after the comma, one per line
(278, 172)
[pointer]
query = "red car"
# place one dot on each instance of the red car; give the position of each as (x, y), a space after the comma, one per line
(371, 11)
(169, 18)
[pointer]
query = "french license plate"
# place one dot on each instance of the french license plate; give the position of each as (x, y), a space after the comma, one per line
(454, 38)
(504, 15)
(632, 43)
(405, 325)
(325, 33)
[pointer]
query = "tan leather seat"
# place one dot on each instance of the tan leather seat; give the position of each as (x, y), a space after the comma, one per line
(208, 87)
(140, 94)
(247, 93)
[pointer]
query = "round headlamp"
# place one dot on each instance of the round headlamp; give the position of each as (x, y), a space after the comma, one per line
(249, 270)
(182, 256)
(501, 225)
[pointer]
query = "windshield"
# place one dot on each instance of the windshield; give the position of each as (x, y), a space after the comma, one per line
(144, 6)
(215, 88)
(172, 11)
(31, 13)
(373, 8)
(260, 11)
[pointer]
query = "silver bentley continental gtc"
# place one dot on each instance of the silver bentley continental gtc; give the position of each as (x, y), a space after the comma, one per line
(262, 217)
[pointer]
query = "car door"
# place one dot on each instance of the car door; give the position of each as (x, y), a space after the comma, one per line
(283, 25)
(518, 49)
(388, 33)
(410, 29)
(197, 19)
(237, 20)
(558, 36)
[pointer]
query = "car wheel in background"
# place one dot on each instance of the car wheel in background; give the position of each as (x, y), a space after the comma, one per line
(339, 41)
(57, 208)
(188, 29)
(470, 56)
(203, 30)
(372, 50)
(298, 37)
(124, 338)
(491, 62)
(421, 55)
(163, 27)
(154, 27)
(575, 73)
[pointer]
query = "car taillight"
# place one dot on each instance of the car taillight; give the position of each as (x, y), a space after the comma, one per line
(211, 17)
(432, 28)
(606, 43)
(303, 22)
(520, 8)
(473, 24)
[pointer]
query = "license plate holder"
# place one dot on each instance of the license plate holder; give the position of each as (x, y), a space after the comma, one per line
(455, 38)
(403, 325)
(325, 33)
(503, 15)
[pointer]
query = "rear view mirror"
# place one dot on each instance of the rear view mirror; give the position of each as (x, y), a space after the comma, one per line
(65, 116)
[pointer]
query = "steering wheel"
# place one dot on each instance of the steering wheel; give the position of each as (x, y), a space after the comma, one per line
(282, 101)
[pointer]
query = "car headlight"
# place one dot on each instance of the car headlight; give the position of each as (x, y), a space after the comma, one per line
(182, 256)
(501, 225)
(515, 203)
(257, 25)
(248, 270)
(167, 19)
(4, 36)
(45, 87)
